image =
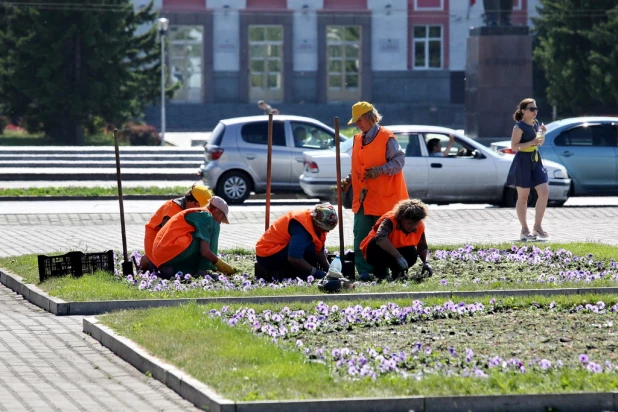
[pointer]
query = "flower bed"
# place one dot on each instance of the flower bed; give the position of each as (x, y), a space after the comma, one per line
(563, 344)
(466, 268)
(449, 339)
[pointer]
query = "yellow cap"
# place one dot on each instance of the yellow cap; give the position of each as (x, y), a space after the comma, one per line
(360, 109)
(202, 194)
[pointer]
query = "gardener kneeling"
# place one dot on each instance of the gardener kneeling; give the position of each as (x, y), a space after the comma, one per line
(294, 245)
(189, 241)
(397, 239)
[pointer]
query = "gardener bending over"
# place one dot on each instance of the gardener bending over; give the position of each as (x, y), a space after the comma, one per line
(197, 196)
(294, 245)
(397, 240)
(189, 241)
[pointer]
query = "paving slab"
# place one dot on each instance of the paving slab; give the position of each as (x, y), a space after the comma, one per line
(48, 363)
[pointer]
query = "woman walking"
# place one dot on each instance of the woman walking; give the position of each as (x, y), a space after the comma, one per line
(527, 170)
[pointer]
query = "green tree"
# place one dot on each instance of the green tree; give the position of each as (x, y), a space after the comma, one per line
(566, 33)
(71, 62)
(604, 60)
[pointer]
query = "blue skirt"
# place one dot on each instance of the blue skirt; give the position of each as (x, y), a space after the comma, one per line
(527, 172)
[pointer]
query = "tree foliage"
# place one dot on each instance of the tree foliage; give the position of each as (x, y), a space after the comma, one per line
(77, 61)
(577, 52)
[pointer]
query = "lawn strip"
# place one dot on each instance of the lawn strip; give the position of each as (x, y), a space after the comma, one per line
(253, 368)
(452, 276)
(94, 192)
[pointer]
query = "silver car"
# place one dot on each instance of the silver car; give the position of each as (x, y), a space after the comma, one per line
(472, 173)
(236, 154)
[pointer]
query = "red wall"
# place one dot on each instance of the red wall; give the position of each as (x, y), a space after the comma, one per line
(180, 5)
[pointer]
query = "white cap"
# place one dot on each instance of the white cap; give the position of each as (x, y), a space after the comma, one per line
(220, 204)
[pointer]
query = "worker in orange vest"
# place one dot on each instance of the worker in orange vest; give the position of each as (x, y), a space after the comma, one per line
(376, 177)
(189, 242)
(293, 245)
(197, 196)
(397, 240)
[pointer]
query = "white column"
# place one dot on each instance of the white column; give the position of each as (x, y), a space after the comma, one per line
(305, 34)
(461, 19)
(389, 34)
(226, 29)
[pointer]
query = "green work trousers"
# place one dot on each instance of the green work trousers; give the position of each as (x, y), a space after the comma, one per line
(362, 226)
(190, 260)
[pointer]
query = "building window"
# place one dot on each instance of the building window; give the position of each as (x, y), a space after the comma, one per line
(343, 45)
(265, 63)
(427, 47)
(185, 57)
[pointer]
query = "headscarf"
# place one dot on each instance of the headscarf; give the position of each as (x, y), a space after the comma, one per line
(324, 216)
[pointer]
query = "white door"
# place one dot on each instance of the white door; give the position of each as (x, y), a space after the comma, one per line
(460, 176)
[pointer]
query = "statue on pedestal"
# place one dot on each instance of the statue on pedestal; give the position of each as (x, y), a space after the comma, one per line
(498, 12)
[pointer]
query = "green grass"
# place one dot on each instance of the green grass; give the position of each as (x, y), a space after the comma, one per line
(249, 367)
(39, 139)
(176, 191)
(102, 286)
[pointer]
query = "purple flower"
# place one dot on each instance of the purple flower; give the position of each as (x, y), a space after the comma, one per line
(299, 343)
(583, 358)
(544, 364)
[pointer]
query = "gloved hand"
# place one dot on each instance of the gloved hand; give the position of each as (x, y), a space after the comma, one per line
(427, 270)
(372, 172)
(319, 274)
(224, 267)
(403, 263)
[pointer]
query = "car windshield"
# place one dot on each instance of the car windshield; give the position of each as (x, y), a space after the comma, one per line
(346, 145)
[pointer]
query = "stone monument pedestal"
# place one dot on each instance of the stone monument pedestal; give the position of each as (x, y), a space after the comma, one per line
(498, 77)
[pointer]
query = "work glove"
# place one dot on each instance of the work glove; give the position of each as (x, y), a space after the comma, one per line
(372, 172)
(403, 263)
(427, 270)
(319, 274)
(224, 267)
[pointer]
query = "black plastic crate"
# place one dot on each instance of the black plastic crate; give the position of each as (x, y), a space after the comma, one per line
(75, 264)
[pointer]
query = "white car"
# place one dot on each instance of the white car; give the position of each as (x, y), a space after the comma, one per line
(472, 173)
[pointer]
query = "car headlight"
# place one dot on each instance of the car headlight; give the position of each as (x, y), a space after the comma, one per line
(559, 174)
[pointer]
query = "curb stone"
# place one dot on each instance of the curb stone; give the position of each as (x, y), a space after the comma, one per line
(203, 396)
(189, 388)
(63, 308)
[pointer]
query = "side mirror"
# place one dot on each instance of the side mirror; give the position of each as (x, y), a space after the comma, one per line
(477, 154)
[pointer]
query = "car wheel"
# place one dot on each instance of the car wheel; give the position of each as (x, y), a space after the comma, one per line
(234, 187)
(510, 197)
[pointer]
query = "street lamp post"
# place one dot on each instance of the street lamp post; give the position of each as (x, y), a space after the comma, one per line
(162, 25)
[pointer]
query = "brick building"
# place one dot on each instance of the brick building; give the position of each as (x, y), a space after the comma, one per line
(315, 57)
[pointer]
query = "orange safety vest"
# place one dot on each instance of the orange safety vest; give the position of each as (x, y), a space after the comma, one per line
(397, 237)
(173, 238)
(383, 192)
(169, 209)
(276, 238)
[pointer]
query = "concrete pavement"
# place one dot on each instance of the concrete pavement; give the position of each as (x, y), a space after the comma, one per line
(48, 364)
(46, 227)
